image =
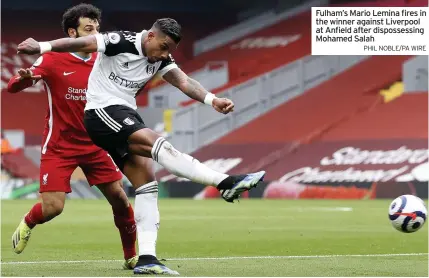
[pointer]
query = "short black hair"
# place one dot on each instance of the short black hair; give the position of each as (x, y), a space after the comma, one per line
(72, 15)
(170, 27)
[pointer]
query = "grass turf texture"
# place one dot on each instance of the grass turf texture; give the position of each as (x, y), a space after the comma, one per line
(200, 229)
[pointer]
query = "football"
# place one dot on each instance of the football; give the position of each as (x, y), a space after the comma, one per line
(407, 213)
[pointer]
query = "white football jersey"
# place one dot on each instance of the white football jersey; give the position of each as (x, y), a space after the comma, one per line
(121, 70)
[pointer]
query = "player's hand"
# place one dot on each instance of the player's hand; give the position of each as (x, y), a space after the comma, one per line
(29, 46)
(27, 74)
(223, 105)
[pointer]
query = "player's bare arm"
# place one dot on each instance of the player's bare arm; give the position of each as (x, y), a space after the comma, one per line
(82, 44)
(195, 90)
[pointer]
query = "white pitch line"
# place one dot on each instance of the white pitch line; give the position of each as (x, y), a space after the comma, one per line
(232, 258)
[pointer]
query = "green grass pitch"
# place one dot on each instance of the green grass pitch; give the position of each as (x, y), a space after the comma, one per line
(215, 238)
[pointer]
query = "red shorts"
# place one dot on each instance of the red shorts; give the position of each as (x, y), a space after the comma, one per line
(55, 172)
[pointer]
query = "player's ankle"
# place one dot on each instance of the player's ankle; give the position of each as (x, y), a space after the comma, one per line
(227, 183)
(148, 259)
(28, 223)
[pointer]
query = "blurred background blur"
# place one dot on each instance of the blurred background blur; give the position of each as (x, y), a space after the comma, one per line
(332, 127)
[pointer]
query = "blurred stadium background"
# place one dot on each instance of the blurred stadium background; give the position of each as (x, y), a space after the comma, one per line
(323, 127)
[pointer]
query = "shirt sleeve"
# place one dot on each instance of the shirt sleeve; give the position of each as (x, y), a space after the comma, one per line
(117, 42)
(167, 65)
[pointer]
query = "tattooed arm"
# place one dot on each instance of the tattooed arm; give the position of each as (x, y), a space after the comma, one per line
(187, 85)
(195, 90)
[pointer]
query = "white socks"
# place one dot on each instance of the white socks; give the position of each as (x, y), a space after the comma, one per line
(147, 219)
(146, 211)
(183, 165)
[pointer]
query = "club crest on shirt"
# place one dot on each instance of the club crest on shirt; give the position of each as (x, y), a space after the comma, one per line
(128, 121)
(45, 179)
(150, 69)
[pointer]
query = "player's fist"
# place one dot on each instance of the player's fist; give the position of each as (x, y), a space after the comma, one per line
(29, 46)
(223, 105)
(27, 74)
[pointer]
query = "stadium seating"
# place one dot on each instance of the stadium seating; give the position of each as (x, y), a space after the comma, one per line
(325, 105)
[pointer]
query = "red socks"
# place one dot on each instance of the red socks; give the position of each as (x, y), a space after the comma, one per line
(35, 216)
(124, 221)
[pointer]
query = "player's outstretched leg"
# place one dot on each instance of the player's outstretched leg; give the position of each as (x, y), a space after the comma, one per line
(139, 171)
(51, 206)
(147, 143)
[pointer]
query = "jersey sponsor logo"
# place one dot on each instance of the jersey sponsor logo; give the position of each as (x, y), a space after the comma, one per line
(75, 97)
(124, 82)
(72, 90)
(114, 38)
(124, 65)
(45, 179)
(150, 69)
(128, 121)
(76, 94)
(68, 73)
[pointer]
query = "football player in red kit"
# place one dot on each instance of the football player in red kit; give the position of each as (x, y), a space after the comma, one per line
(66, 144)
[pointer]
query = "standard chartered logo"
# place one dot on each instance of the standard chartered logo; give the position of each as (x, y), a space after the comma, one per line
(76, 94)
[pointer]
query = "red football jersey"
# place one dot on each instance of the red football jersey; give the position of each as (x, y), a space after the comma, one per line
(65, 77)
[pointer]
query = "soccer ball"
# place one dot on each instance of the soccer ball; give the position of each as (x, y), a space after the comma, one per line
(407, 213)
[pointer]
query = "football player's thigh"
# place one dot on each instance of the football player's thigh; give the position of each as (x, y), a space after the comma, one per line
(55, 174)
(99, 168)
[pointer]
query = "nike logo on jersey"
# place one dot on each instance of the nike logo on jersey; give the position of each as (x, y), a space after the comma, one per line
(68, 73)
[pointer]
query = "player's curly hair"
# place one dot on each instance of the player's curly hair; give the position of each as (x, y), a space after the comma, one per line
(170, 27)
(72, 15)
